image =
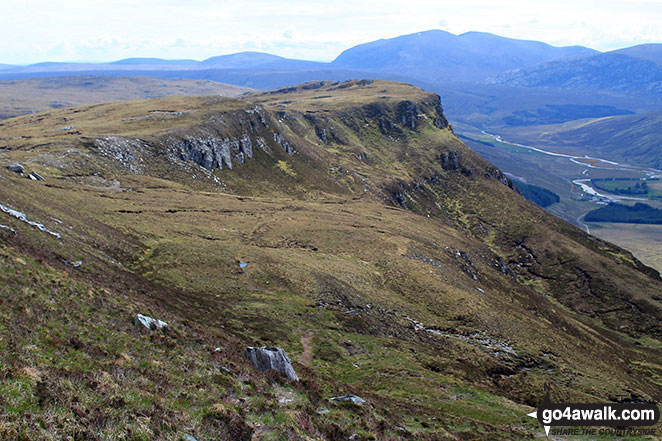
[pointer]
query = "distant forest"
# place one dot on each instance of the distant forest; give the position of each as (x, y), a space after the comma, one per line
(637, 214)
(640, 188)
(538, 195)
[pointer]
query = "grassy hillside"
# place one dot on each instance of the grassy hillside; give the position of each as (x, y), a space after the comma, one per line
(21, 96)
(353, 229)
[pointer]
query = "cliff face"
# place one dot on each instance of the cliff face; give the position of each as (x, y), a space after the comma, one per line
(342, 222)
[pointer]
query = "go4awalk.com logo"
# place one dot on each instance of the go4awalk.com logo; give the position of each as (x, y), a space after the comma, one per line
(619, 418)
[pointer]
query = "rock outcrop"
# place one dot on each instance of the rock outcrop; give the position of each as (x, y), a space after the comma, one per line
(271, 358)
(449, 161)
(213, 152)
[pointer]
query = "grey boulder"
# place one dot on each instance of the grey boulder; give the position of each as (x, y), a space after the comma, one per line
(149, 322)
(353, 398)
(267, 358)
(16, 168)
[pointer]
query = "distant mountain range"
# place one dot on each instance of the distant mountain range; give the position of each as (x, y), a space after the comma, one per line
(241, 60)
(427, 59)
(635, 69)
(424, 58)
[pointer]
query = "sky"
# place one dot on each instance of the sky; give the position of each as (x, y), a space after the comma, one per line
(102, 30)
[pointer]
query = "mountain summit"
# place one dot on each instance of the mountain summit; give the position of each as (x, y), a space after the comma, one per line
(440, 55)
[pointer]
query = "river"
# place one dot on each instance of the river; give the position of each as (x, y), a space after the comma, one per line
(586, 188)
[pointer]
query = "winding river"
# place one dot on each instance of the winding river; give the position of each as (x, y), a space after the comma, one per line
(583, 183)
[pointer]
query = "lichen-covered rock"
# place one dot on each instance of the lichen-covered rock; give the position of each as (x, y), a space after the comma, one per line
(149, 322)
(267, 358)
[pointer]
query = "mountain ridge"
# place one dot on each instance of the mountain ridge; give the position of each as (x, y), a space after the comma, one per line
(341, 221)
(469, 42)
(637, 69)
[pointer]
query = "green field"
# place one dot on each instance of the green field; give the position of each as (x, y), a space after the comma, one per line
(650, 189)
(644, 240)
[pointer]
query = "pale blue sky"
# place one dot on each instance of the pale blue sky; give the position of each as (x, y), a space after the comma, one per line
(103, 30)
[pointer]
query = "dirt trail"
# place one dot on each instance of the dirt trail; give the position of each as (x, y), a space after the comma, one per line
(306, 357)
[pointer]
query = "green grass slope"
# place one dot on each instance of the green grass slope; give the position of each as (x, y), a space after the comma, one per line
(382, 254)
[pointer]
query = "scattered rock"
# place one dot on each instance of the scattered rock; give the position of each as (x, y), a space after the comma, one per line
(35, 176)
(75, 264)
(128, 152)
(5, 227)
(323, 411)
(353, 398)
(149, 322)
(285, 398)
(188, 437)
(16, 168)
(267, 358)
(22, 217)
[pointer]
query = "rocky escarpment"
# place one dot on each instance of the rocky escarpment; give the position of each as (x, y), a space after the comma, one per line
(214, 152)
(223, 141)
(407, 114)
(272, 131)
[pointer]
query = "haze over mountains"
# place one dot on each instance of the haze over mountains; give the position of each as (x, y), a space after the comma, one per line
(430, 56)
